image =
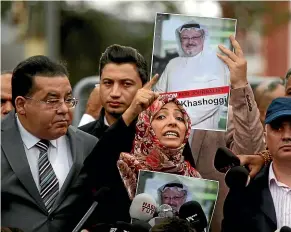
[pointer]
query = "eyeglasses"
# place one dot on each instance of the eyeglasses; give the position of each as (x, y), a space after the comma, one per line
(56, 103)
(196, 38)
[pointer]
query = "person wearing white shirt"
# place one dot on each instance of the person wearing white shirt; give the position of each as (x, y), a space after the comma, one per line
(44, 185)
(265, 204)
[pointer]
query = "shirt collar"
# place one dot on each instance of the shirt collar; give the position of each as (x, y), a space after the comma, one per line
(105, 121)
(273, 179)
(29, 139)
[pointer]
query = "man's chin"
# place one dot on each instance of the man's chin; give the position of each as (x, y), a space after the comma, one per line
(116, 113)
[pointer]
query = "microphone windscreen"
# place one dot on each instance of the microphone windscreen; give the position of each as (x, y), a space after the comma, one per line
(143, 207)
(165, 211)
(225, 159)
(237, 177)
(285, 229)
(100, 193)
(194, 214)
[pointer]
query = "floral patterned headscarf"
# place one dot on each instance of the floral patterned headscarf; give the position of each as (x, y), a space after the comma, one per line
(149, 154)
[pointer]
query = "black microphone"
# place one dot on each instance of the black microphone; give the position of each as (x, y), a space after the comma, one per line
(194, 214)
(225, 159)
(99, 195)
(237, 177)
(284, 229)
(137, 226)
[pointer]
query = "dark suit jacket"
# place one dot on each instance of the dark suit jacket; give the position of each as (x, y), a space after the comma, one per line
(22, 206)
(250, 209)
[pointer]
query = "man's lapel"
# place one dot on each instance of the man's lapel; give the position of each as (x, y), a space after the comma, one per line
(77, 155)
(266, 204)
(13, 148)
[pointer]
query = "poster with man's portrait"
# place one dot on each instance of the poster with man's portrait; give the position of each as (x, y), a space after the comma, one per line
(176, 190)
(185, 57)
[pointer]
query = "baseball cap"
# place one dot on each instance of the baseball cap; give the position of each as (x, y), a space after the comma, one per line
(279, 107)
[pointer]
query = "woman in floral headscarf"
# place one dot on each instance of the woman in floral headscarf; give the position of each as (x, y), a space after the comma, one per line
(161, 134)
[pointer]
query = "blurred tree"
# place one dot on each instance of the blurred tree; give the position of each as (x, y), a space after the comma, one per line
(249, 14)
(86, 33)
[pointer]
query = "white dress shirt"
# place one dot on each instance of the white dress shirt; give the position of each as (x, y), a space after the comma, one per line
(59, 155)
(86, 118)
(281, 195)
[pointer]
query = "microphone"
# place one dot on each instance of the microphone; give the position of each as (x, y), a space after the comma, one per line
(143, 207)
(99, 195)
(194, 214)
(138, 226)
(237, 177)
(225, 159)
(284, 229)
(164, 211)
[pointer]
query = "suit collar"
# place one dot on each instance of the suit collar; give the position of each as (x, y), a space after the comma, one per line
(17, 159)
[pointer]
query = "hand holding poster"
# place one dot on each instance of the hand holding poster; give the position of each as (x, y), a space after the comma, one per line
(185, 55)
(189, 198)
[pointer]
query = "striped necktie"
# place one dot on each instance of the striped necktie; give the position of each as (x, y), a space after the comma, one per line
(49, 185)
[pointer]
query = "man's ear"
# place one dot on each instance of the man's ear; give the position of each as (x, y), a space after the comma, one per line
(20, 105)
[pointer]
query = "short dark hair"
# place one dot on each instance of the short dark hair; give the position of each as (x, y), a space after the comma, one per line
(25, 72)
(122, 54)
(173, 225)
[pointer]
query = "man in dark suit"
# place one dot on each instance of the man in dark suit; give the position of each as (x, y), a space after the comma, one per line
(264, 205)
(42, 186)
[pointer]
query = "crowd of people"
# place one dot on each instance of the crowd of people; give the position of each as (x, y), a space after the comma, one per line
(50, 169)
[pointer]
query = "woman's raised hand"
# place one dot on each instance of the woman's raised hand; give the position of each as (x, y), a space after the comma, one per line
(142, 100)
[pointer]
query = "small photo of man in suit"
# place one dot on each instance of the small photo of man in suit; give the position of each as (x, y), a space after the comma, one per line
(265, 204)
(41, 154)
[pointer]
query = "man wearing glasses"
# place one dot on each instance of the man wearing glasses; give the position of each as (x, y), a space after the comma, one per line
(196, 67)
(41, 155)
(173, 194)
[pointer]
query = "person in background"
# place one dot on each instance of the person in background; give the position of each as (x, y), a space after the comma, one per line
(265, 93)
(6, 93)
(288, 83)
(264, 205)
(93, 107)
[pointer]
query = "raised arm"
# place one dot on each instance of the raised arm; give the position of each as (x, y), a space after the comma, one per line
(245, 131)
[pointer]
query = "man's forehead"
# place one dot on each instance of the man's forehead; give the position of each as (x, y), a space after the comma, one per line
(191, 31)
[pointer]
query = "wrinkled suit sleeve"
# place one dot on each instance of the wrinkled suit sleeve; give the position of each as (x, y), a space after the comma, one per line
(245, 131)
